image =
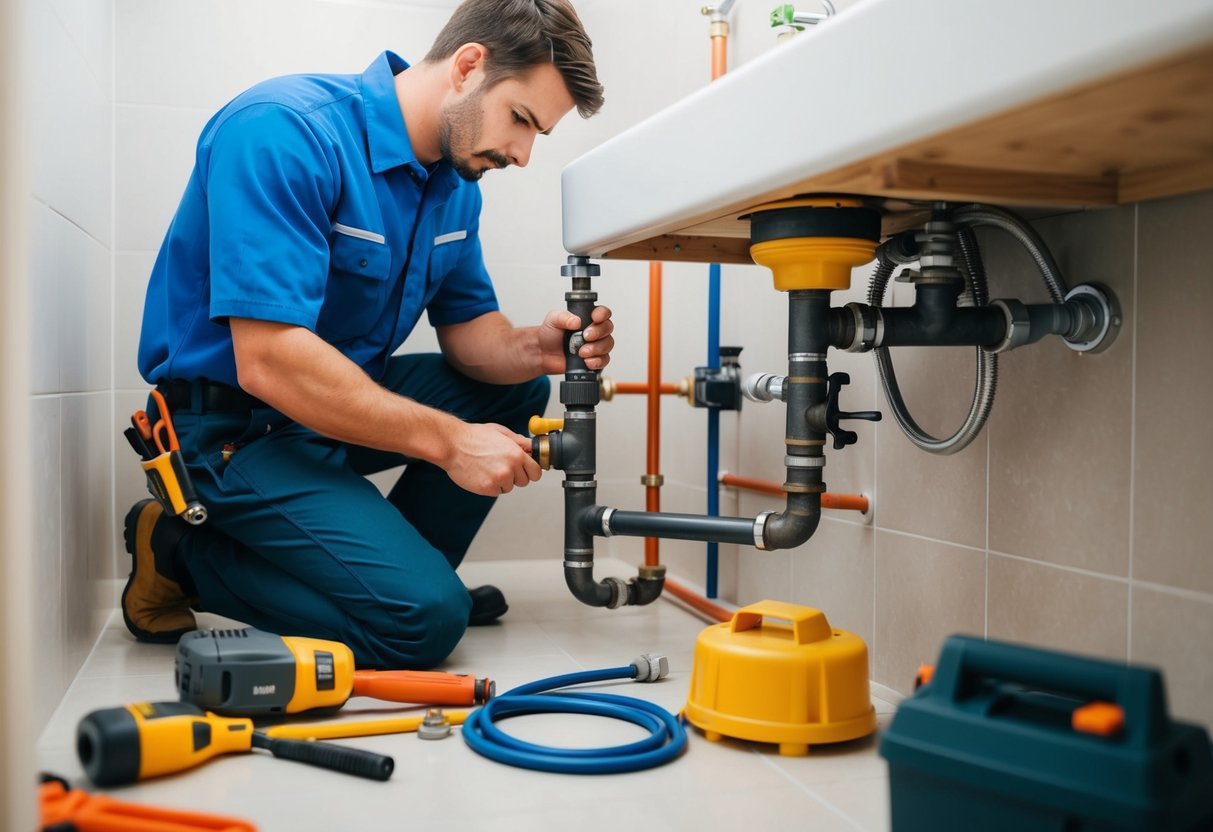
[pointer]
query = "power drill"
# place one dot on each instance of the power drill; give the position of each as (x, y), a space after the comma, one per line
(248, 672)
(117, 746)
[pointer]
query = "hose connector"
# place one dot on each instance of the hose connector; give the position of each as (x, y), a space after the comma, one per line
(650, 667)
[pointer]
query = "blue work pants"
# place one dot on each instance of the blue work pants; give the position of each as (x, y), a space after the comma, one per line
(299, 542)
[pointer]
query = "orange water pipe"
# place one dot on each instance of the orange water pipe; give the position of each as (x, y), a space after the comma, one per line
(696, 601)
(846, 502)
(652, 479)
(720, 53)
(624, 387)
(720, 45)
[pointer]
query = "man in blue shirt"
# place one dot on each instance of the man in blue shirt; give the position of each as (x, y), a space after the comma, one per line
(323, 215)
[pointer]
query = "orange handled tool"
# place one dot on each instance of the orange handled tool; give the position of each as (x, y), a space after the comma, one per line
(62, 807)
(422, 686)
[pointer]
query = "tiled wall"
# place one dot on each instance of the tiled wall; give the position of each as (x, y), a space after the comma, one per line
(1074, 520)
(69, 220)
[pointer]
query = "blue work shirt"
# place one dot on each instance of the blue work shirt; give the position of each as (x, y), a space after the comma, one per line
(307, 206)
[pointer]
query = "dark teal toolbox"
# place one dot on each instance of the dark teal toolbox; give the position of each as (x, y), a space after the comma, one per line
(1005, 737)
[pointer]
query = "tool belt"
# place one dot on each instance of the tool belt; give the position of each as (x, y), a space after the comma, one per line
(212, 397)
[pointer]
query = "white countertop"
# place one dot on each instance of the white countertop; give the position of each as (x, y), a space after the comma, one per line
(883, 73)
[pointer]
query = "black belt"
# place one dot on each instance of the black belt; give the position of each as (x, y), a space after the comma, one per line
(215, 397)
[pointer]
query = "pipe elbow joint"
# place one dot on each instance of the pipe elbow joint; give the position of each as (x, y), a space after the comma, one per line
(609, 592)
(789, 530)
(646, 587)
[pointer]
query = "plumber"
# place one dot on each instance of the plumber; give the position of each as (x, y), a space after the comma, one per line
(323, 215)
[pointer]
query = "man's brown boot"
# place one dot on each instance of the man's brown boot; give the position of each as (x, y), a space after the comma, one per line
(154, 607)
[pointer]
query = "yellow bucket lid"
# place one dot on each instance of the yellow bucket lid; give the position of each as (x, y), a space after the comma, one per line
(779, 673)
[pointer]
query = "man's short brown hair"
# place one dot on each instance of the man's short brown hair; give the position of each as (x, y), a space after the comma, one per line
(520, 34)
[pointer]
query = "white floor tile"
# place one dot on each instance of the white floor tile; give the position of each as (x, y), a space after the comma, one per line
(445, 785)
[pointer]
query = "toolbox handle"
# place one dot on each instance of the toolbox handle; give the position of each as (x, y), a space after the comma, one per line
(966, 662)
(808, 624)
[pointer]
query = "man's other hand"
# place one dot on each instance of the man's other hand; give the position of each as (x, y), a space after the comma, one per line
(596, 351)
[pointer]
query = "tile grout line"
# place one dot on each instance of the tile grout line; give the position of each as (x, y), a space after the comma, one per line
(76, 677)
(1132, 430)
(808, 790)
(872, 508)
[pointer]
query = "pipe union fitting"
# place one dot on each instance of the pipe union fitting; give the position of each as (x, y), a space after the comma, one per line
(760, 523)
(619, 592)
(804, 462)
(869, 327)
(1019, 327)
(606, 522)
(1102, 317)
(763, 387)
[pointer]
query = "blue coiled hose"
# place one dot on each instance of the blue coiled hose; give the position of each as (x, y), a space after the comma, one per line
(667, 738)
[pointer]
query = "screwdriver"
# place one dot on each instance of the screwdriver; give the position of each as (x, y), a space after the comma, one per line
(122, 745)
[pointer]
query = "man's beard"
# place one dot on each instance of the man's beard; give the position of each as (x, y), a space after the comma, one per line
(460, 126)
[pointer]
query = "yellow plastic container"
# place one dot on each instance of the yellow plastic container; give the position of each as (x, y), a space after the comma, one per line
(796, 682)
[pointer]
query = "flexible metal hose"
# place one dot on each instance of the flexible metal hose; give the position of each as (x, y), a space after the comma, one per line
(987, 364)
(986, 385)
(973, 216)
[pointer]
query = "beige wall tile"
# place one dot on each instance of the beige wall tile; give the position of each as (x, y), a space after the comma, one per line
(1060, 428)
(1172, 524)
(1176, 634)
(833, 572)
(762, 574)
(925, 592)
(1049, 607)
(942, 497)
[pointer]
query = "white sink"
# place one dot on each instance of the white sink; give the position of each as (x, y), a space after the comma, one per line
(883, 73)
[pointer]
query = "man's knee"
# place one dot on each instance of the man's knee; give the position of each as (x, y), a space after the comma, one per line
(427, 633)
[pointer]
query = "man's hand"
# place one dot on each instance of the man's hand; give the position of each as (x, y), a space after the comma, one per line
(598, 340)
(490, 460)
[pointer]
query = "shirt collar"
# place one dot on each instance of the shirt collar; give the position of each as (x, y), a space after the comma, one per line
(386, 136)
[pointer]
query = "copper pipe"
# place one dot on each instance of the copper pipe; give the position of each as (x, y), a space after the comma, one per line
(666, 387)
(697, 601)
(720, 55)
(652, 489)
(845, 502)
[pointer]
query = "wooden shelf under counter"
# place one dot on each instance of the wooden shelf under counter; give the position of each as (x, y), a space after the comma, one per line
(1134, 136)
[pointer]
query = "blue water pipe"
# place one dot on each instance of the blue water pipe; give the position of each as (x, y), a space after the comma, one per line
(667, 737)
(713, 482)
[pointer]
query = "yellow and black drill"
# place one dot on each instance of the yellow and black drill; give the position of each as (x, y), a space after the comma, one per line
(117, 746)
(249, 672)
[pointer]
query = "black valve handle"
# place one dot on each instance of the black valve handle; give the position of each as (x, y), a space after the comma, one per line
(843, 437)
(341, 758)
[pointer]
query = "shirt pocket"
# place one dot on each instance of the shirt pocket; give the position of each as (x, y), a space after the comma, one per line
(356, 292)
(444, 256)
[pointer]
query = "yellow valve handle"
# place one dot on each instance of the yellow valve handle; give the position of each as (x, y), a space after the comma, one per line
(539, 426)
